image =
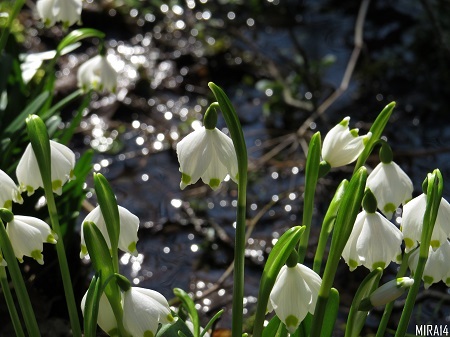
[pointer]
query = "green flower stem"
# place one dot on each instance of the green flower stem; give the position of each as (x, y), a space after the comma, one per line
(19, 284)
(311, 176)
(10, 303)
(40, 143)
(345, 219)
(18, 4)
(390, 306)
(435, 188)
(232, 121)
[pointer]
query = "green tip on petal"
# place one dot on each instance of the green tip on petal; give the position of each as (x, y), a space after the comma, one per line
(214, 183)
(51, 239)
(170, 318)
(428, 280)
(132, 248)
(409, 243)
(292, 323)
(399, 258)
(380, 264)
(352, 264)
(57, 185)
(354, 132)
(345, 122)
(389, 208)
(29, 189)
(84, 250)
(37, 255)
(435, 244)
(447, 281)
(7, 204)
(185, 179)
(148, 333)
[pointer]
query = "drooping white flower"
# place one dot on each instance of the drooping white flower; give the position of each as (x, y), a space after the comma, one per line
(341, 145)
(97, 74)
(208, 154)
(62, 165)
(294, 294)
(391, 187)
(143, 310)
(412, 222)
(9, 191)
(27, 235)
(129, 225)
(436, 267)
(66, 11)
(374, 242)
(106, 319)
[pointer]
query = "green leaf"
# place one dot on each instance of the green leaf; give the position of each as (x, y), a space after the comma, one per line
(356, 318)
(189, 304)
(376, 129)
(31, 109)
(172, 329)
(92, 305)
(277, 258)
(211, 322)
(78, 35)
(98, 249)
(331, 313)
(271, 329)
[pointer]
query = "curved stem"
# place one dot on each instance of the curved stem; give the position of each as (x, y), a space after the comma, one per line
(10, 303)
(19, 284)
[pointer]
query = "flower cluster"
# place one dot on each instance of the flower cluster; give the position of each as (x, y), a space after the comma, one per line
(66, 11)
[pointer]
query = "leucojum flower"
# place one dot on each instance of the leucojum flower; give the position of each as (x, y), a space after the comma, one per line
(97, 74)
(66, 11)
(374, 241)
(27, 235)
(9, 191)
(62, 165)
(129, 225)
(106, 319)
(294, 294)
(412, 223)
(208, 154)
(341, 145)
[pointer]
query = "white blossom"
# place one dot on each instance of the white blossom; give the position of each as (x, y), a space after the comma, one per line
(294, 294)
(27, 235)
(412, 222)
(129, 225)
(207, 154)
(53, 11)
(374, 242)
(391, 187)
(105, 319)
(9, 191)
(341, 145)
(62, 165)
(97, 74)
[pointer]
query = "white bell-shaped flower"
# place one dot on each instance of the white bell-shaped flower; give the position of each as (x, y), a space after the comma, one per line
(294, 294)
(374, 242)
(341, 145)
(27, 235)
(412, 223)
(97, 74)
(9, 191)
(66, 11)
(129, 225)
(143, 310)
(391, 187)
(62, 165)
(436, 267)
(208, 154)
(106, 319)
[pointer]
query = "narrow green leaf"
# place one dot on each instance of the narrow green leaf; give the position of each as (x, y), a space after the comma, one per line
(356, 318)
(277, 258)
(190, 307)
(78, 35)
(271, 329)
(92, 305)
(211, 322)
(98, 249)
(31, 109)
(376, 129)
(331, 313)
(172, 329)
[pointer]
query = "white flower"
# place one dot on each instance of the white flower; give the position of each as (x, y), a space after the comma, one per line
(206, 154)
(97, 74)
(190, 325)
(390, 291)
(62, 164)
(129, 225)
(66, 11)
(341, 145)
(436, 267)
(374, 242)
(143, 310)
(294, 295)
(391, 187)
(412, 222)
(27, 235)
(9, 191)
(106, 319)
